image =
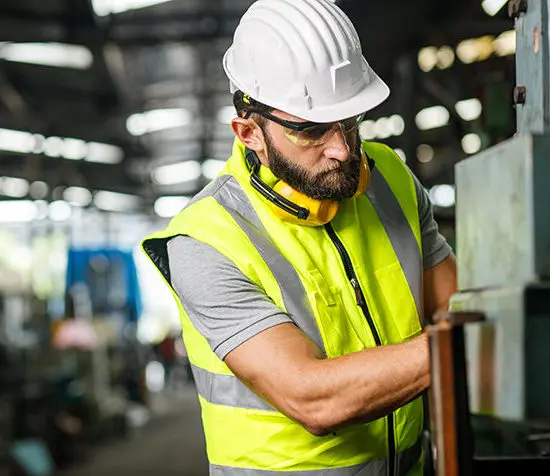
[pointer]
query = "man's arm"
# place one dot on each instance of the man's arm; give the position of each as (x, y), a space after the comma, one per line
(288, 370)
(439, 278)
(267, 351)
(439, 285)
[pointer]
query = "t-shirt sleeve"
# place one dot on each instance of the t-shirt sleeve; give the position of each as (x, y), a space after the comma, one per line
(434, 245)
(221, 302)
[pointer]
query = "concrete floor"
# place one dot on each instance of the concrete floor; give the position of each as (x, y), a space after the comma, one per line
(171, 444)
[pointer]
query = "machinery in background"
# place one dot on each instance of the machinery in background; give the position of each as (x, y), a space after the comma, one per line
(66, 384)
(503, 251)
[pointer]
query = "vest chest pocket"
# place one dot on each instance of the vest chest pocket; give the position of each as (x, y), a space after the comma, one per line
(400, 317)
(336, 328)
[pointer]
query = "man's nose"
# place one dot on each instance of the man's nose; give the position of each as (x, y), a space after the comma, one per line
(337, 146)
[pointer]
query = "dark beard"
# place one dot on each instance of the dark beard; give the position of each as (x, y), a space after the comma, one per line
(336, 184)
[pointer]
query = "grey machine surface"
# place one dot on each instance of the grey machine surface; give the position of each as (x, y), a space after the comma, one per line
(503, 244)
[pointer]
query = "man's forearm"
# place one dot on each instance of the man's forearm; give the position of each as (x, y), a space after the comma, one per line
(366, 385)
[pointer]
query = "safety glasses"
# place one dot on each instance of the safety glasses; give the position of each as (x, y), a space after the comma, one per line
(310, 134)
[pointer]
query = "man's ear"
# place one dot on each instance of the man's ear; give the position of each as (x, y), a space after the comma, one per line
(249, 133)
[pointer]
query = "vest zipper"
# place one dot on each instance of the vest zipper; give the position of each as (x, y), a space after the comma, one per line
(362, 303)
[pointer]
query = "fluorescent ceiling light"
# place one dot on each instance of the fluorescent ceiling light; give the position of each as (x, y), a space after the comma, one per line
(471, 143)
(16, 141)
(116, 202)
(65, 147)
(60, 211)
(443, 195)
(48, 54)
(168, 207)
(17, 211)
(427, 58)
(42, 209)
(383, 128)
(53, 146)
(367, 130)
(157, 120)
(467, 51)
(492, 7)
(39, 141)
(177, 173)
(104, 153)
(106, 7)
(397, 125)
(39, 190)
(445, 57)
(226, 114)
(212, 167)
(401, 154)
(469, 109)
(475, 49)
(78, 196)
(432, 117)
(425, 153)
(505, 43)
(14, 187)
(74, 149)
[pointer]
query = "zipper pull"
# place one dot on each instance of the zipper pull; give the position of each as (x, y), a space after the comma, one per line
(358, 292)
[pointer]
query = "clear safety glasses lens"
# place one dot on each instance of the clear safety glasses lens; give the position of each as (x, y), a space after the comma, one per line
(321, 133)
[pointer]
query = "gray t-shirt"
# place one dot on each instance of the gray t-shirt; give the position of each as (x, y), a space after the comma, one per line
(228, 309)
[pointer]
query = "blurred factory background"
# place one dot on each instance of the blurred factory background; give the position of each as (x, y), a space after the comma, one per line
(113, 113)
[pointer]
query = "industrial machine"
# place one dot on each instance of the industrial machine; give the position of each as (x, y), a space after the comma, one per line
(496, 342)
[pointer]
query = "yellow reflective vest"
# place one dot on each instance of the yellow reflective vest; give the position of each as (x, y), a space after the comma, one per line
(353, 284)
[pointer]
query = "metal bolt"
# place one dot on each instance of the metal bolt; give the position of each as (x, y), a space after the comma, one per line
(520, 95)
(516, 8)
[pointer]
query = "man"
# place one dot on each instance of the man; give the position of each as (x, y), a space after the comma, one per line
(304, 271)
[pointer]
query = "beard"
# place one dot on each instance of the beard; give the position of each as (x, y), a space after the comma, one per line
(334, 184)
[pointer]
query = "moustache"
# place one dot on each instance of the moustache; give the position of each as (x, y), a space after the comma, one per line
(350, 165)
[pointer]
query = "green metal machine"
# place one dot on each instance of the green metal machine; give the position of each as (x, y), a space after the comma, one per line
(503, 252)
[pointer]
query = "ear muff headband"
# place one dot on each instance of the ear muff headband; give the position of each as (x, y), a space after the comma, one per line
(274, 197)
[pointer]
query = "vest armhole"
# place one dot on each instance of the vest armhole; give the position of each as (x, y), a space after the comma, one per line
(157, 251)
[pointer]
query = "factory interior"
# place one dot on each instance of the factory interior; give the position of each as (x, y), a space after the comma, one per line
(114, 114)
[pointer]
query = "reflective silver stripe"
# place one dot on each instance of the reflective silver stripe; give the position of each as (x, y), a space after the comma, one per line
(233, 199)
(227, 390)
(405, 463)
(399, 232)
(210, 189)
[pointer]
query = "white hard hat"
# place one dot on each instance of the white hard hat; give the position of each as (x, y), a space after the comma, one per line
(303, 57)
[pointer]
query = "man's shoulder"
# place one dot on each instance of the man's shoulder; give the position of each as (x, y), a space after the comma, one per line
(196, 253)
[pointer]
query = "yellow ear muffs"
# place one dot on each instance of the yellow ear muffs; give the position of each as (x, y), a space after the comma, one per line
(321, 212)
(364, 175)
(295, 207)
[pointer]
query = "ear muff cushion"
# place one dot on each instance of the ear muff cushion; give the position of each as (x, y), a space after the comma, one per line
(320, 211)
(364, 175)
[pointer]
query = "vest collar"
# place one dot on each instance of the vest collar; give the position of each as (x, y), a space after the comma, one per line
(237, 166)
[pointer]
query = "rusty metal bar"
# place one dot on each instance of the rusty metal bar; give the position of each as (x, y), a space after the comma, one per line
(449, 409)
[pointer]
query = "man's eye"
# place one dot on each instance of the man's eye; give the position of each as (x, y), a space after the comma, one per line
(314, 132)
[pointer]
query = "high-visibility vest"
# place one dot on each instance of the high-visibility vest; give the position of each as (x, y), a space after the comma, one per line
(314, 274)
